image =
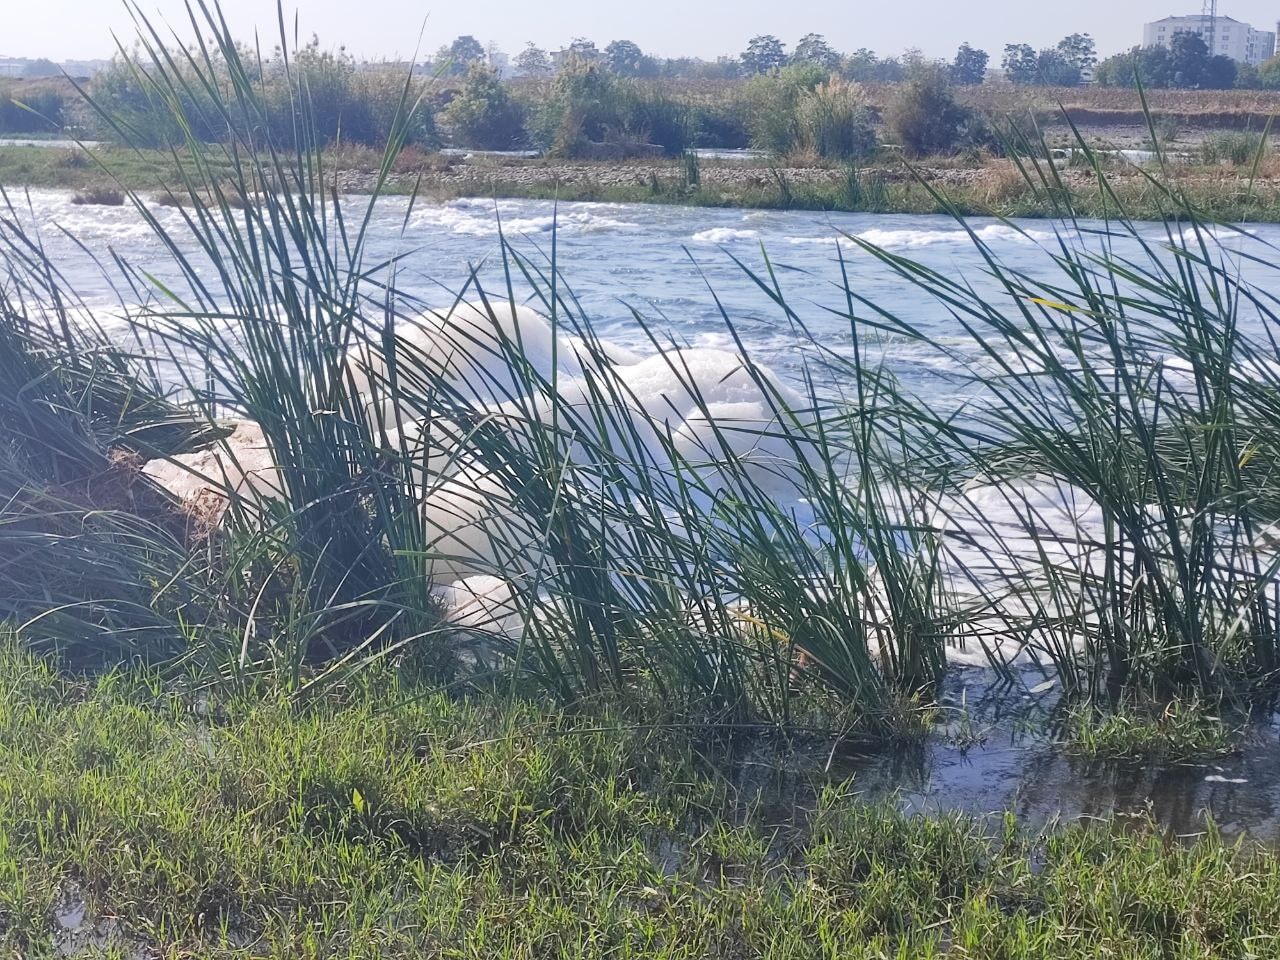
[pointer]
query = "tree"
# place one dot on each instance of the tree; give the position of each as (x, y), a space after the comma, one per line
(1191, 64)
(1021, 63)
(1269, 74)
(864, 66)
(1220, 73)
(1152, 64)
(462, 53)
(813, 48)
(533, 61)
(764, 53)
(625, 58)
(1078, 50)
(970, 65)
(1055, 70)
(483, 115)
(1247, 77)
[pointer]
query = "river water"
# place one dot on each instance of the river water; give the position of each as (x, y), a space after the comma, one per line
(666, 262)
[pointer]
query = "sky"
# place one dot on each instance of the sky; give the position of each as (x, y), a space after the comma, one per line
(377, 29)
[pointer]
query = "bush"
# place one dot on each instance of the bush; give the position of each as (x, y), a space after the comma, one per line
(719, 124)
(338, 101)
(31, 108)
(1237, 149)
(923, 116)
(483, 114)
(833, 121)
(1268, 74)
(801, 110)
(588, 104)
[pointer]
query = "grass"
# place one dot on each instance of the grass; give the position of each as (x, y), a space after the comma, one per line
(387, 820)
(1240, 149)
(1181, 732)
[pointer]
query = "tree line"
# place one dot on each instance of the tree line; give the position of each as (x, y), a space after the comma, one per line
(1186, 63)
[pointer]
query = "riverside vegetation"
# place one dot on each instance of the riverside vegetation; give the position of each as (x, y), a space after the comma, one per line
(252, 723)
(821, 141)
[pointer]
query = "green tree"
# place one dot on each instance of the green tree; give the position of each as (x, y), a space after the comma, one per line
(1247, 77)
(1269, 74)
(461, 54)
(483, 114)
(1079, 50)
(1152, 64)
(1021, 63)
(1193, 68)
(533, 61)
(813, 48)
(864, 66)
(970, 65)
(764, 54)
(624, 58)
(1055, 70)
(1221, 73)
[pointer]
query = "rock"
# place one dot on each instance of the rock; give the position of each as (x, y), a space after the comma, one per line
(239, 466)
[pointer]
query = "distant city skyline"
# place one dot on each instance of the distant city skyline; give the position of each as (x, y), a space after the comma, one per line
(382, 29)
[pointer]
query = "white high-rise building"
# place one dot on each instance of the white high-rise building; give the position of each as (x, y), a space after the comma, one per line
(1231, 38)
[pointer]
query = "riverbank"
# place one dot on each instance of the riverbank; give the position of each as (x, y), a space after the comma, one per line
(149, 818)
(991, 186)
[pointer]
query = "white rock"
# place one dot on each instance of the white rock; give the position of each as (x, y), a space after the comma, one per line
(239, 466)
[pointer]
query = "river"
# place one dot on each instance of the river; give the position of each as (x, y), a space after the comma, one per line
(665, 262)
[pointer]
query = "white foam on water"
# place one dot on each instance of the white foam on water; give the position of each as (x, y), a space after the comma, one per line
(906, 238)
(725, 235)
(471, 218)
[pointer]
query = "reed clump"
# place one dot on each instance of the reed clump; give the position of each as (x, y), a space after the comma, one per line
(778, 555)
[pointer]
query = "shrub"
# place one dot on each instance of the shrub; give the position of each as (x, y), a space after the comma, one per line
(720, 125)
(1268, 76)
(587, 104)
(31, 108)
(484, 115)
(833, 121)
(923, 116)
(801, 110)
(645, 114)
(1238, 149)
(337, 101)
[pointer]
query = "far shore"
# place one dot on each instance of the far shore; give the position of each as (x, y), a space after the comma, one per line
(971, 186)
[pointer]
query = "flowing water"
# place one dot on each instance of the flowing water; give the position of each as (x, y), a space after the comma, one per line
(667, 262)
(680, 267)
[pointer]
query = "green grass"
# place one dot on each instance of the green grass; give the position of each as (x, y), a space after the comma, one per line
(387, 820)
(1181, 732)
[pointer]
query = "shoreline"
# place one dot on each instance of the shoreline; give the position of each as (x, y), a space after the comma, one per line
(987, 187)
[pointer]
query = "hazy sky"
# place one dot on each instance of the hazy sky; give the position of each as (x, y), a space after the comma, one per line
(64, 29)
